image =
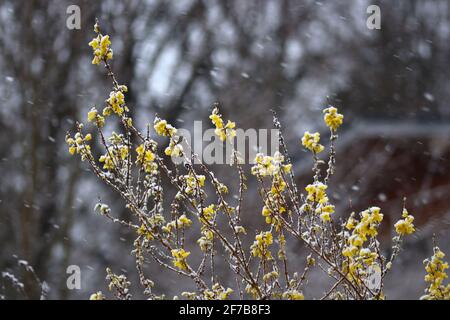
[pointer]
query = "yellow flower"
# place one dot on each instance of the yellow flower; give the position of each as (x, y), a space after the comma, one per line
(184, 221)
(116, 101)
(273, 275)
(405, 226)
(216, 119)
(78, 145)
(266, 212)
(217, 293)
(356, 241)
(100, 121)
(143, 231)
(162, 128)
(436, 274)
(269, 166)
(179, 258)
(325, 211)
(329, 208)
(240, 230)
(123, 151)
(351, 222)
(146, 159)
(325, 216)
(101, 48)
(97, 296)
(105, 42)
(375, 216)
(108, 163)
(287, 168)
(367, 256)
(260, 248)
(191, 183)
(311, 142)
(94, 43)
(316, 192)
(223, 132)
(208, 213)
(293, 295)
(332, 118)
(92, 115)
(204, 243)
(174, 149)
(123, 88)
(350, 251)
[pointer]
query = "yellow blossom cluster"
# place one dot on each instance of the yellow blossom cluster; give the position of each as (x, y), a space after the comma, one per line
(240, 230)
(144, 231)
(317, 192)
(113, 156)
(360, 257)
(260, 247)
(208, 213)
(78, 144)
(180, 223)
(162, 128)
(367, 226)
(118, 283)
(170, 226)
(116, 153)
(351, 222)
(218, 292)
(273, 167)
(222, 131)
(191, 181)
(405, 226)
(116, 103)
(311, 141)
(97, 296)
(184, 222)
(325, 211)
(270, 276)
(267, 214)
(156, 220)
(188, 295)
(174, 149)
(145, 158)
(293, 295)
(270, 166)
(317, 196)
(93, 116)
(205, 241)
(436, 274)
(332, 118)
(252, 289)
(275, 203)
(206, 218)
(101, 48)
(179, 258)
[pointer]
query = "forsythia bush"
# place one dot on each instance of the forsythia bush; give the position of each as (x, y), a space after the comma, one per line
(347, 251)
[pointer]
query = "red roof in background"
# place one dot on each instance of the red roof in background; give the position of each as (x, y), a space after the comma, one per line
(379, 164)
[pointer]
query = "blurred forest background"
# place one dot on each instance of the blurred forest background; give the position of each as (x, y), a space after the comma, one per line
(177, 58)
